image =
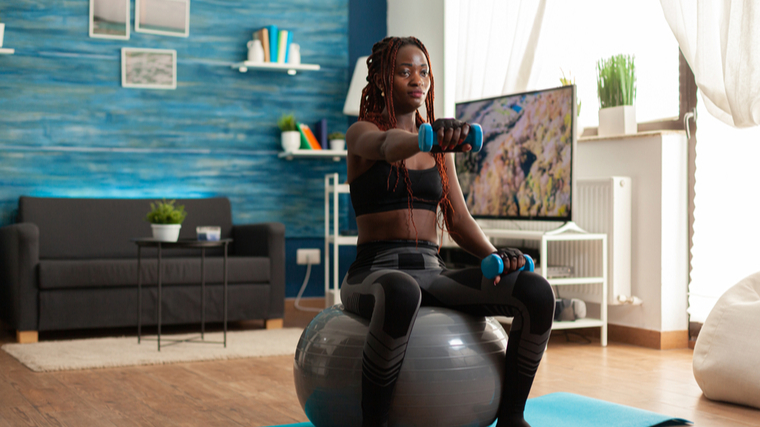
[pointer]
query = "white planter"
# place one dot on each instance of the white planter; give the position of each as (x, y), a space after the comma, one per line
(291, 141)
(166, 232)
(619, 120)
(2, 33)
(338, 144)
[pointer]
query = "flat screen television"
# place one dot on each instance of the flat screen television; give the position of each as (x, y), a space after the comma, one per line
(525, 169)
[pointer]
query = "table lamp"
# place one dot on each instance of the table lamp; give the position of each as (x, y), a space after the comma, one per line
(358, 81)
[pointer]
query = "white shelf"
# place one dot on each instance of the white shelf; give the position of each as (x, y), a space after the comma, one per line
(6, 51)
(336, 155)
(343, 240)
(274, 66)
(576, 281)
(580, 323)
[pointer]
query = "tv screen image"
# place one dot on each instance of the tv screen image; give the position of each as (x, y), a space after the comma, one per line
(524, 170)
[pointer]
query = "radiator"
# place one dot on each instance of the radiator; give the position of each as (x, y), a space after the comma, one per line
(603, 205)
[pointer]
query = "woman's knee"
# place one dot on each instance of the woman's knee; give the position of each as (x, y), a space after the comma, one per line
(401, 299)
(537, 295)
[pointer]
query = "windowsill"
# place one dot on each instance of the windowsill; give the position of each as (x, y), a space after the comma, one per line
(646, 134)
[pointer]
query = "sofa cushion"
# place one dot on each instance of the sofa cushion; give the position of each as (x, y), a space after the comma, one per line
(102, 228)
(62, 274)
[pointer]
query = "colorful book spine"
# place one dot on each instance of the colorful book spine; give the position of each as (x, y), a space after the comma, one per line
(320, 131)
(287, 47)
(273, 45)
(264, 37)
(304, 140)
(309, 136)
(282, 46)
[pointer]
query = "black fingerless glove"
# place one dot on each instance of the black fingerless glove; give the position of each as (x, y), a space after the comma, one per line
(446, 124)
(507, 254)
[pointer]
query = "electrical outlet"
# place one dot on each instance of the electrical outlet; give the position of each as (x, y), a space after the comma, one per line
(308, 256)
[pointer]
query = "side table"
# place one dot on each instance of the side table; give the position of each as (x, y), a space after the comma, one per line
(148, 242)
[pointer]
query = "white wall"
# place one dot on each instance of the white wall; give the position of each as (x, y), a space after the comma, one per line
(423, 19)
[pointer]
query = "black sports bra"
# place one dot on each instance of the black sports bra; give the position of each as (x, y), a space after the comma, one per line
(373, 191)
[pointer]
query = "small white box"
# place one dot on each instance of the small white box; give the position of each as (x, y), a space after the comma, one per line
(209, 233)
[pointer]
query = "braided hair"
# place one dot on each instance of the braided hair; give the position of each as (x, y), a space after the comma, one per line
(382, 63)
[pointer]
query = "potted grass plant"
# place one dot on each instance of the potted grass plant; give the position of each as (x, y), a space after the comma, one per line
(337, 141)
(290, 137)
(616, 87)
(166, 220)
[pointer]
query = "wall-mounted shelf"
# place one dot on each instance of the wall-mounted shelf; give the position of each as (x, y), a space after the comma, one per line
(336, 155)
(6, 51)
(291, 69)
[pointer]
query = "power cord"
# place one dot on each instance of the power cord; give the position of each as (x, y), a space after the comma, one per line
(303, 288)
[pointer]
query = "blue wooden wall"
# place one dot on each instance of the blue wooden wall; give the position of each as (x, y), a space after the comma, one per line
(68, 128)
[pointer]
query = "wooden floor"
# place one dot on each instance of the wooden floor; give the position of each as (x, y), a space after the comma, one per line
(259, 391)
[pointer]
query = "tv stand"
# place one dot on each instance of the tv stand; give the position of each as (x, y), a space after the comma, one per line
(568, 226)
(589, 266)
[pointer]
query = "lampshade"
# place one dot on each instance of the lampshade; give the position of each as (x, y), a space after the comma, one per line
(358, 81)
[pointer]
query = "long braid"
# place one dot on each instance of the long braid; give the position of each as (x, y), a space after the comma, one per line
(382, 62)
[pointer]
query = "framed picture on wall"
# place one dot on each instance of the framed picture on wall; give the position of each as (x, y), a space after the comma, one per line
(165, 17)
(148, 68)
(109, 19)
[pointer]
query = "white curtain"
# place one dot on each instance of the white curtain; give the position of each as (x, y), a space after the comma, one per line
(496, 46)
(720, 40)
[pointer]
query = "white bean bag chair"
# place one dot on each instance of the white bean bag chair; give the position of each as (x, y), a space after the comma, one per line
(727, 353)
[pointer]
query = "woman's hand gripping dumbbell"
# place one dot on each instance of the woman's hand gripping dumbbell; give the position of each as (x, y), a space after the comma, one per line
(493, 265)
(462, 134)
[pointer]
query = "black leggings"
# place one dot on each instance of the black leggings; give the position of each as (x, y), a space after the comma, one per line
(391, 279)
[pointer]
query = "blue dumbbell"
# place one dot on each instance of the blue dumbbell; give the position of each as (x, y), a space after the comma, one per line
(493, 265)
(429, 140)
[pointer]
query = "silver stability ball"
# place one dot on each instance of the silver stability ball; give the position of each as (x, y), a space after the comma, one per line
(451, 376)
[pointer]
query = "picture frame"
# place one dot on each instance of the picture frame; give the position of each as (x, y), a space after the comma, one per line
(148, 68)
(110, 19)
(164, 17)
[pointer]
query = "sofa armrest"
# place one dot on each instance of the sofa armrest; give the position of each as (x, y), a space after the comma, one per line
(19, 258)
(265, 240)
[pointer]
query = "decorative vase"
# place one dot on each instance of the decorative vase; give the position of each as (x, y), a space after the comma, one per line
(255, 51)
(291, 141)
(166, 232)
(620, 120)
(294, 55)
(338, 144)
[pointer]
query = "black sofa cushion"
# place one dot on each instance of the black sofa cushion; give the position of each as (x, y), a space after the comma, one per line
(102, 228)
(98, 273)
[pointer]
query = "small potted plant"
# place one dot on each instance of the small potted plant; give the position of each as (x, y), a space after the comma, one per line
(616, 87)
(291, 138)
(337, 141)
(166, 220)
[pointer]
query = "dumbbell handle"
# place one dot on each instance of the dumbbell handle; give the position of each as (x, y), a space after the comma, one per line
(428, 140)
(493, 265)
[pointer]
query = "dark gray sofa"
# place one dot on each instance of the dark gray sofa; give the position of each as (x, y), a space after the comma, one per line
(69, 264)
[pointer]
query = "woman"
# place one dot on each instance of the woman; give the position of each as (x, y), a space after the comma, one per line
(396, 191)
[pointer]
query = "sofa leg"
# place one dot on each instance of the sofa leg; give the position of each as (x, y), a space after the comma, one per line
(27, 337)
(273, 323)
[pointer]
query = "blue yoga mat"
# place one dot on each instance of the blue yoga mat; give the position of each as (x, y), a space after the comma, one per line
(572, 410)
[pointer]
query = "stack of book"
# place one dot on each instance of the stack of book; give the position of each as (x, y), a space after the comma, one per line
(276, 43)
(313, 140)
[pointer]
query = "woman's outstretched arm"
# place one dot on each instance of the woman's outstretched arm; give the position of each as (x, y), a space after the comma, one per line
(364, 139)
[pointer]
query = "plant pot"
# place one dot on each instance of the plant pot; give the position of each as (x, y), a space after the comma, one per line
(620, 120)
(338, 144)
(166, 232)
(291, 140)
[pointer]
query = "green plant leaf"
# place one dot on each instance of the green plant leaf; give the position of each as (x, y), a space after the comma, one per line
(163, 212)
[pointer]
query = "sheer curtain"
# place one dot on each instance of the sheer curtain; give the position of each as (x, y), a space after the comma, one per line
(720, 39)
(496, 46)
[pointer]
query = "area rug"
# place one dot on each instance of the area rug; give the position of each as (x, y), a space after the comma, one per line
(92, 353)
(572, 410)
